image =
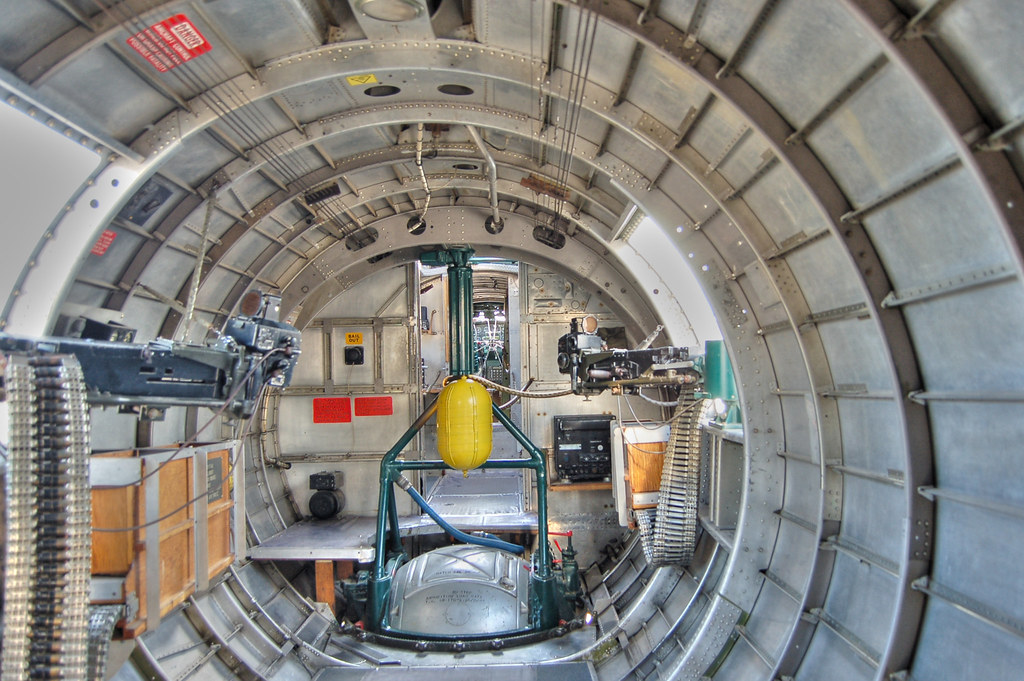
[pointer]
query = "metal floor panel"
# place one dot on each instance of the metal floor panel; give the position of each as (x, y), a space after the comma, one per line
(489, 500)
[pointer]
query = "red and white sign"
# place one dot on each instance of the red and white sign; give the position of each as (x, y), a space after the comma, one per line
(103, 243)
(374, 406)
(170, 43)
(332, 410)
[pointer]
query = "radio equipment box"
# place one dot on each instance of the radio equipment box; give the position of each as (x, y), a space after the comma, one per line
(583, 447)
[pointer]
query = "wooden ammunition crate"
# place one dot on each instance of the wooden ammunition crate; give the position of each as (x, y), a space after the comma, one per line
(645, 461)
(181, 547)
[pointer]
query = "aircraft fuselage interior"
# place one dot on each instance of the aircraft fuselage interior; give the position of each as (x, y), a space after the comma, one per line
(357, 340)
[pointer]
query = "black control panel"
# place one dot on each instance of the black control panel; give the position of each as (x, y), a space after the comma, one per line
(583, 447)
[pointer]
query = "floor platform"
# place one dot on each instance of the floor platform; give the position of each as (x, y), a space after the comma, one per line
(487, 500)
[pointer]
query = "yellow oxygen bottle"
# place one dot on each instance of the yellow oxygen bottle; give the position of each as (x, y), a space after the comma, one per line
(464, 436)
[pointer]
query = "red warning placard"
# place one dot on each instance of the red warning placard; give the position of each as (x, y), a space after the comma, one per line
(332, 410)
(103, 243)
(374, 406)
(170, 43)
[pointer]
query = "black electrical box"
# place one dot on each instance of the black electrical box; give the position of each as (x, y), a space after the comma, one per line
(325, 481)
(354, 354)
(583, 447)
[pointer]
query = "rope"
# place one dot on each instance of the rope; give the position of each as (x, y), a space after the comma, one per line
(512, 391)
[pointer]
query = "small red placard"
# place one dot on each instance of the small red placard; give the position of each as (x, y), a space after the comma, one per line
(103, 243)
(170, 43)
(374, 406)
(332, 410)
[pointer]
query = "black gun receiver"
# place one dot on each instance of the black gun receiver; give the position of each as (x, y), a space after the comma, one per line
(593, 368)
(252, 351)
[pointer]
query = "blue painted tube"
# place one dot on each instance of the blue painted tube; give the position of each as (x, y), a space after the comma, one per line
(492, 542)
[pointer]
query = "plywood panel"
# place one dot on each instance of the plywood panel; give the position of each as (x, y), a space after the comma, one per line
(645, 462)
(113, 552)
(177, 569)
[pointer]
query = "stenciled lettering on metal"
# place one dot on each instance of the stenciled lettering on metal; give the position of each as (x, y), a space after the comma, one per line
(49, 543)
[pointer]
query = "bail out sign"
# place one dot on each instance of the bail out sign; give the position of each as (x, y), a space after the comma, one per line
(170, 43)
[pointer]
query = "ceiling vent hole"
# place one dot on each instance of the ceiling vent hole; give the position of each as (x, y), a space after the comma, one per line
(466, 166)
(453, 89)
(381, 91)
(416, 226)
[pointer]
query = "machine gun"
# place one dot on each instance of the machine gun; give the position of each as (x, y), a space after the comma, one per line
(593, 368)
(254, 350)
(49, 384)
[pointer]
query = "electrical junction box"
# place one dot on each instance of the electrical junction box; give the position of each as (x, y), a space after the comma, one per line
(325, 480)
(583, 447)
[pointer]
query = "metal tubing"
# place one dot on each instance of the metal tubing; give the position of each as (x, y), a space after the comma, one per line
(492, 542)
(492, 172)
(385, 486)
(538, 465)
(460, 306)
(396, 537)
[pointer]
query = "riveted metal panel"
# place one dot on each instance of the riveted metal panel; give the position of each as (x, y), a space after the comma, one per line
(771, 619)
(299, 436)
(873, 516)
(962, 534)
(787, 361)
(975, 462)
(825, 260)
(28, 25)
(952, 641)
(783, 207)
(758, 287)
(743, 662)
(215, 283)
(872, 439)
(863, 596)
(744, 160)
(665, 90)
(309, 370)
(800, 425)
(247, 249)
(716, 133)
(109, 91)
(986, 335)
(828, 656)
(107, 267)
(177, 635)
(793, 541)
(729, 241)
(803, 491)
(201, 157)
(270, 29)
(921, 238)
(147, 315)
(607, 37)
(311, 101)
(883, 137)
(857, 356)
(983, 35)
(724, 24)
(248, 192)
(796, 82)
(523, 27)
